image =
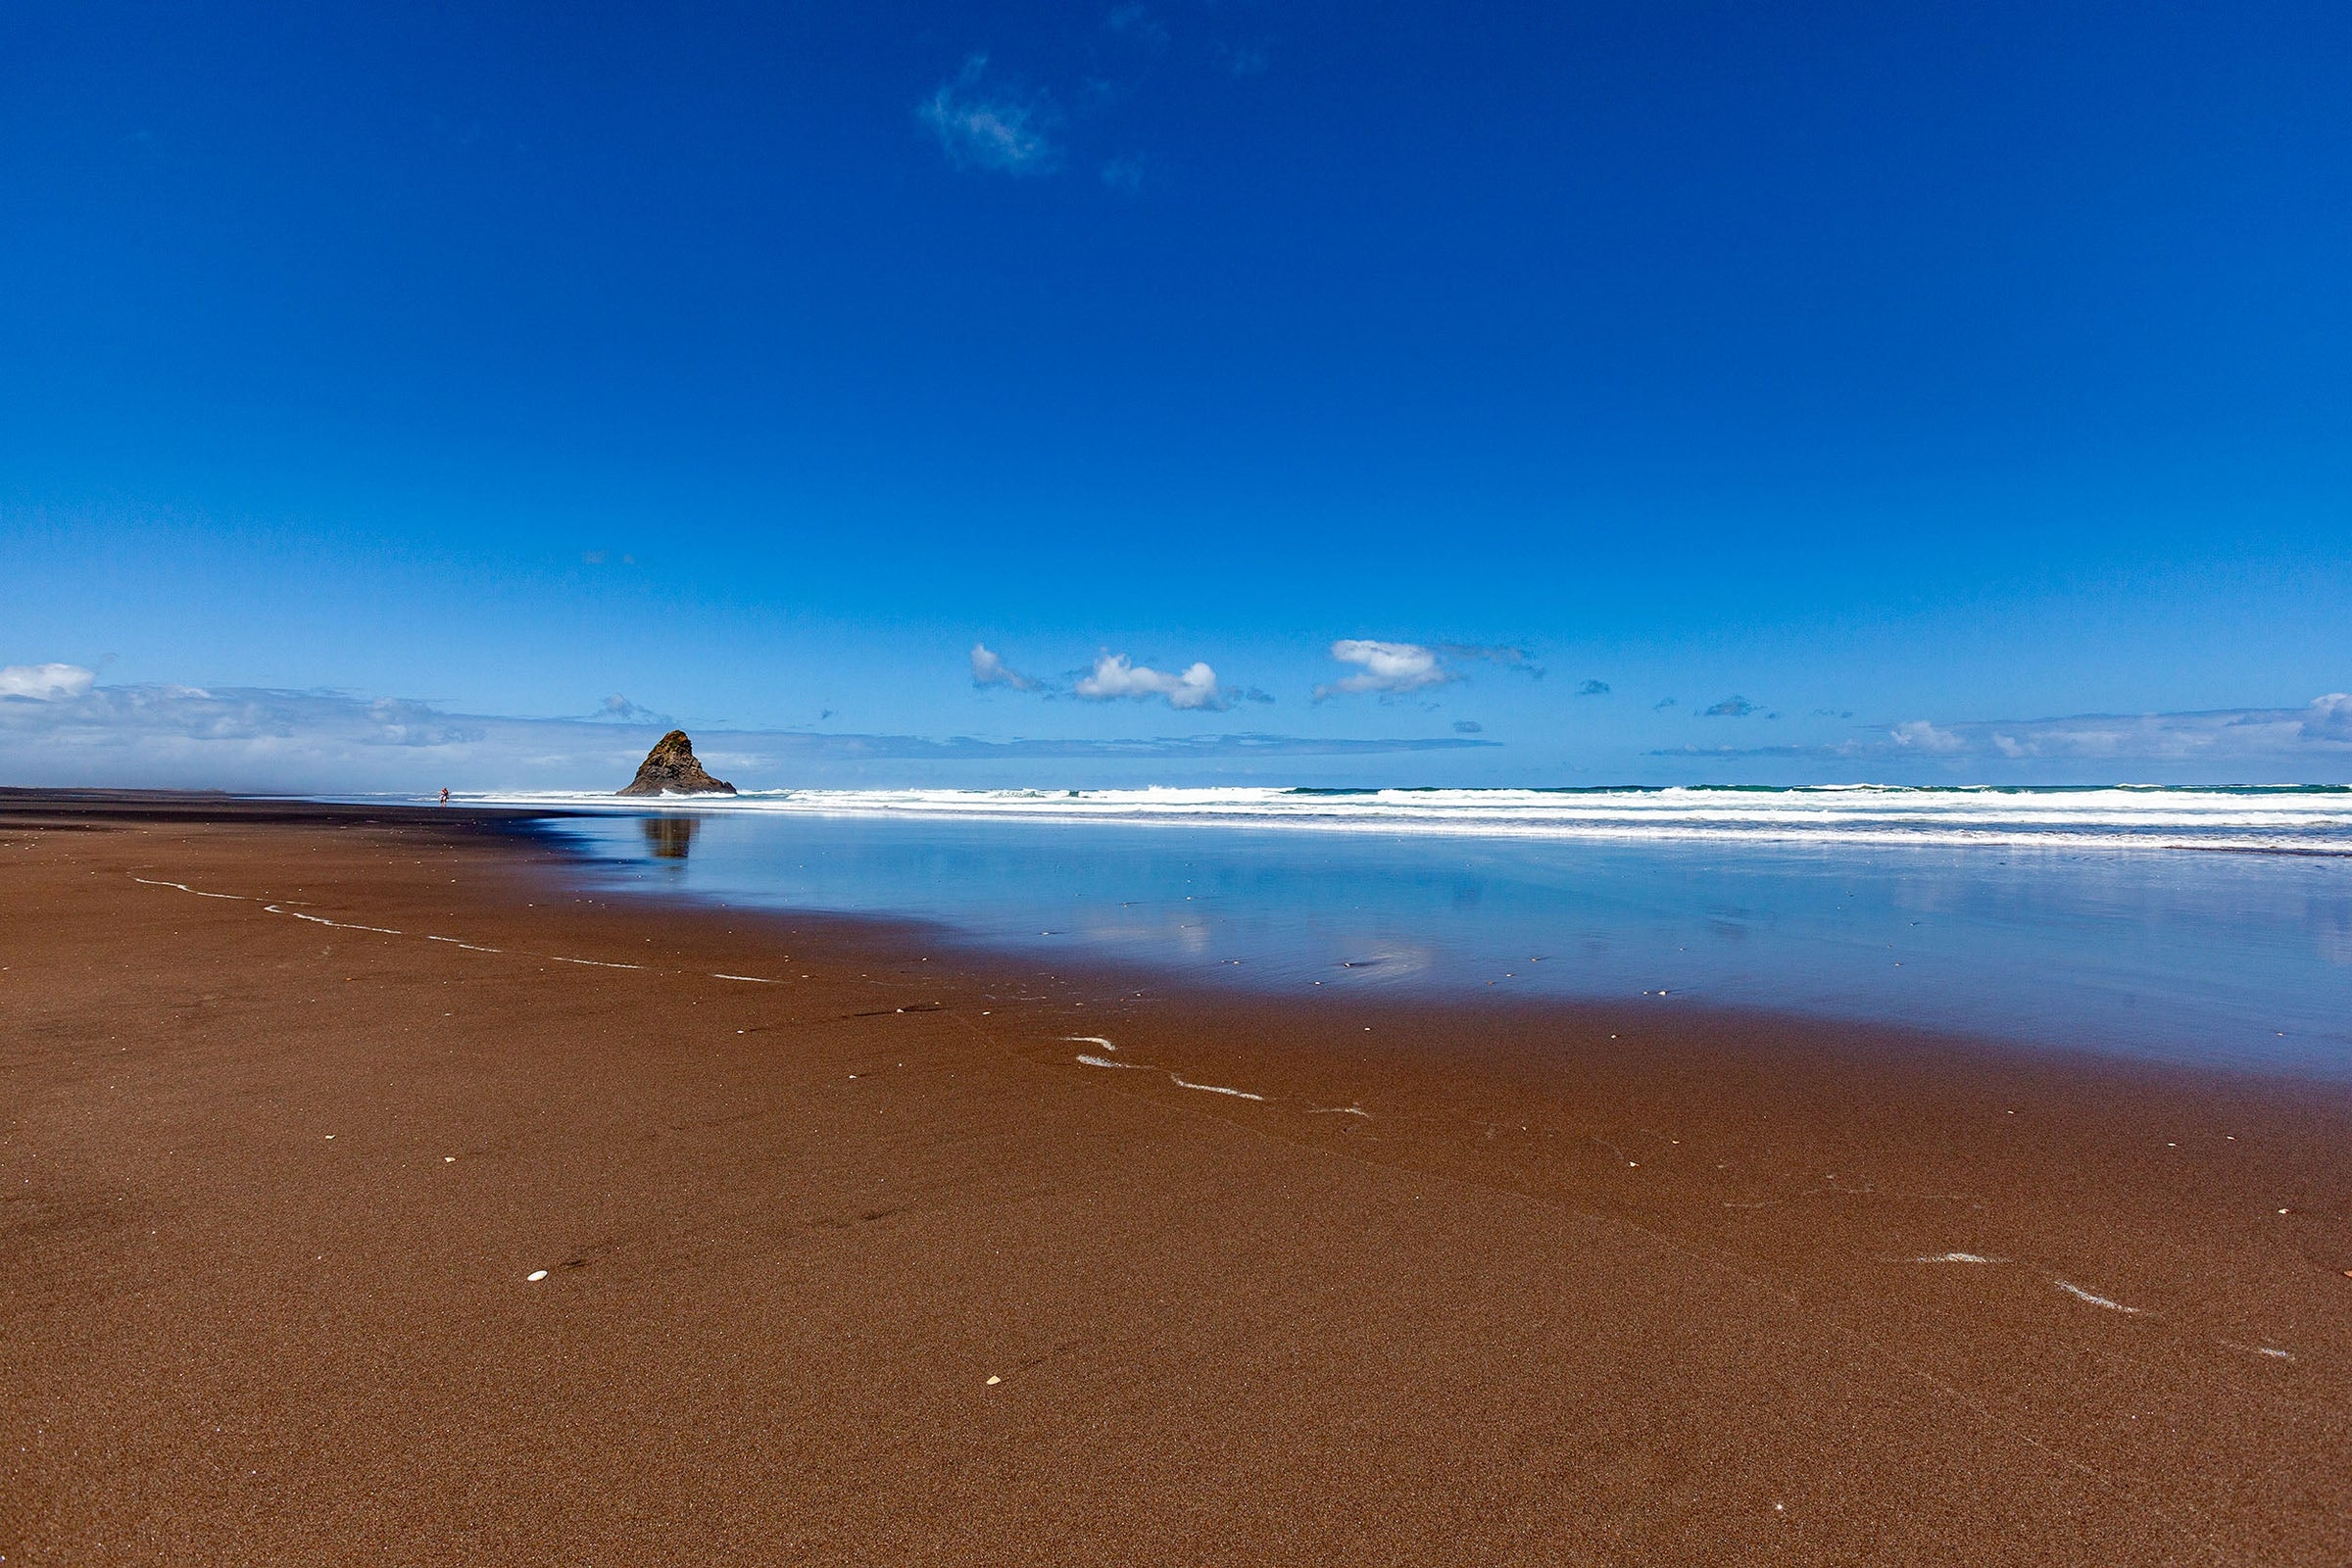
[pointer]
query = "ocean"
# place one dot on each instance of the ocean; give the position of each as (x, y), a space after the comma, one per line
(2207, 926)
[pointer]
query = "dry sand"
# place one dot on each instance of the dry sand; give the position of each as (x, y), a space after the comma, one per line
(857, 1259)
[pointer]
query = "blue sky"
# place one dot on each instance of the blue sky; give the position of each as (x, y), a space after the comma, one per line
(1836, 368)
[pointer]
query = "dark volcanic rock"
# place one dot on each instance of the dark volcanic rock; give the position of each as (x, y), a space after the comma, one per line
(669, 768)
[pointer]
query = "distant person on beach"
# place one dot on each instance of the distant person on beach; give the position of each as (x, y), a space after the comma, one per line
(444, 795)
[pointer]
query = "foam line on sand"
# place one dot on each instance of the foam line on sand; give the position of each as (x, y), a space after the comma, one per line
(2081, 1294)
(184, 888)
(340, 925)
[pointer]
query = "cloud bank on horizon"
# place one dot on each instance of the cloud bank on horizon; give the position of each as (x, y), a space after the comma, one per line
(2316, 735)
(60, 726)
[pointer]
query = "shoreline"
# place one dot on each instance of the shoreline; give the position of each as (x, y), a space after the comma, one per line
(1345, 1278)
(2021, 953)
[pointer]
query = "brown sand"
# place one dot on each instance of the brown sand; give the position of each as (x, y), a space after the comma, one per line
(831, 1281)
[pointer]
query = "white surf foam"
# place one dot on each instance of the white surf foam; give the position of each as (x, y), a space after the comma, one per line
(2284, 819)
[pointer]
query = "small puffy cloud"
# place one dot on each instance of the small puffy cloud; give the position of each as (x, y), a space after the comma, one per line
(983, 126)
(1115, 676)
(989, 669)
(1730, 708)
(1387, 668)
(1593, 688)
(1661, 705)
(1390, 670)
(1920, 736)
(45, 683)
(1468, 726)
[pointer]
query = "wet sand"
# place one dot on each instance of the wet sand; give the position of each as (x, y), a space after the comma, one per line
(860, 1248)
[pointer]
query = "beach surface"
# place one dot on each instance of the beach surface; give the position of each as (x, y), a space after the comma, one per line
(373, 1194)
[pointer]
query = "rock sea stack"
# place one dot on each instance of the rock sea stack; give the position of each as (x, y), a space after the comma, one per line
(669, 768)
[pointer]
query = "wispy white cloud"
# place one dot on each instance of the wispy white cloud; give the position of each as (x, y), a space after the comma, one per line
(1137, 23)
(989, 125)
(45, 683)
(1115, 676)
(990, 670)
(618, 710)
(1515, 660)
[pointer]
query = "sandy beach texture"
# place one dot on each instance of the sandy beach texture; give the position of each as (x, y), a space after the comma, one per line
(374, 1197)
